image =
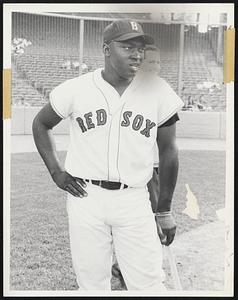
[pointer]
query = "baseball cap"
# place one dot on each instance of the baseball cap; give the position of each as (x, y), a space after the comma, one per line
(123, 30)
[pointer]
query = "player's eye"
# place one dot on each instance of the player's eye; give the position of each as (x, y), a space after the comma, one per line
(132, 49)
(141, 50)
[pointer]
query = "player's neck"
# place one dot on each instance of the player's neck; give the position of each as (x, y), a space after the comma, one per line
(119, 83)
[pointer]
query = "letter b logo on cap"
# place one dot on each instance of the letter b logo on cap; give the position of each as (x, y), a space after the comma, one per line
(134, 25)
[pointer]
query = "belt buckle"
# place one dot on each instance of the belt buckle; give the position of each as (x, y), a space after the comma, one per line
(111, 185)
(106, 185)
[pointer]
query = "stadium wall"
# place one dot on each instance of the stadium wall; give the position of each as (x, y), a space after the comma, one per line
(208, 125)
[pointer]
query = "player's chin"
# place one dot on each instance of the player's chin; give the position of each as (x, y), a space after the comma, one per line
(131, 72)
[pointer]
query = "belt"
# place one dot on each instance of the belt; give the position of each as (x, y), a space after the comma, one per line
(109, 185)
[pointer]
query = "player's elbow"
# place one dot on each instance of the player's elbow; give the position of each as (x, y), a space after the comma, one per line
(35, 126)
(170, 157)
(169, 150)
(38, 126)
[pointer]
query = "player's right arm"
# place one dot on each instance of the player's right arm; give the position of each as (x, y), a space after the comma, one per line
(42, 126)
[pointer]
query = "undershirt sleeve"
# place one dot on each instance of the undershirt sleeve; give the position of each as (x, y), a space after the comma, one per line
(170, 121)
(169, 103)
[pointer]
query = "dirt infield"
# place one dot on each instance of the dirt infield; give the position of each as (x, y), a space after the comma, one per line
(200, 258)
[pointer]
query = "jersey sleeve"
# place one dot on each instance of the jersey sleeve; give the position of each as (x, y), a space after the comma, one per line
(61, 99)
(170, 121)
(170, 103)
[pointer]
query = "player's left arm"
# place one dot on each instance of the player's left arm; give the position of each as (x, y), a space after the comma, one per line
(168, 171)
(153, 189)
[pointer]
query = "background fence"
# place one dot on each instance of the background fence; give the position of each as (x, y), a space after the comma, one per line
(48, 49)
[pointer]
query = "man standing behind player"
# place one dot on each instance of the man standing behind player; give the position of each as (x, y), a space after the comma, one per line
(115, 122)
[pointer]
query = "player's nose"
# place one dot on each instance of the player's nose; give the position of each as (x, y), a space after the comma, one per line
(137, 56)
(137, 53)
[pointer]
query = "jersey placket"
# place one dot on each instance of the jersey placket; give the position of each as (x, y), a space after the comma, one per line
(114, 136)
(115, 104)
(114, 148)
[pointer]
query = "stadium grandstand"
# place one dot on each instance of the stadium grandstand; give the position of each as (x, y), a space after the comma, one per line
(49, 48)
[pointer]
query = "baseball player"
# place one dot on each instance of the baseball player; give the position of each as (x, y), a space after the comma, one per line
(116, 119)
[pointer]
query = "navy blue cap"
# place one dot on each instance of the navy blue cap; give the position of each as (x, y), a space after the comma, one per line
(123, 30)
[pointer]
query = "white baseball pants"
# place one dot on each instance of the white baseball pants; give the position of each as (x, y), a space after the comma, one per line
(123, 217)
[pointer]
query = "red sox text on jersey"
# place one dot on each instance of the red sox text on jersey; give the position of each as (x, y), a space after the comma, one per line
(137, 122)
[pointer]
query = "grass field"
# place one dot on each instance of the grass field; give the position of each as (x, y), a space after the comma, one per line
(40, 253)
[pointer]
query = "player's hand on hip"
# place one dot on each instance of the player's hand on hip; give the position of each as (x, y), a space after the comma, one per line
(70, 184)
(166, 227)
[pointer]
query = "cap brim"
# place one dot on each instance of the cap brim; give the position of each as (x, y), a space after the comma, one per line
(148, 39)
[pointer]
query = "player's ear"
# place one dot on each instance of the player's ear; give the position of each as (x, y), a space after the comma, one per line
(106, 49)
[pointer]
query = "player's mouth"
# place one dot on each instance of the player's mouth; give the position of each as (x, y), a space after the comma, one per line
(134, 66)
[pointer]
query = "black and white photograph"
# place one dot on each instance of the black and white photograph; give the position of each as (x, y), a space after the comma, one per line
(118, 149)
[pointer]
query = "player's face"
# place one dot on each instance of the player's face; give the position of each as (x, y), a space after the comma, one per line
(126, 57)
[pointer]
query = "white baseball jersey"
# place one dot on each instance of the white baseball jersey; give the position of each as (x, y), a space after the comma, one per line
(113, 137)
